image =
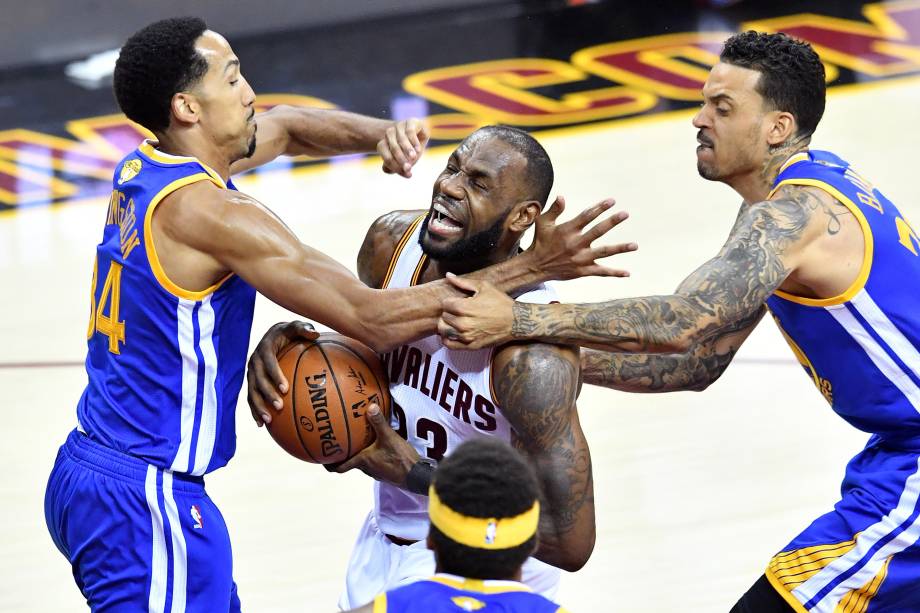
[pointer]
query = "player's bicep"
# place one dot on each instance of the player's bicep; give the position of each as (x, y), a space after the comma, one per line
(379, 246)
(536, 386)
(764, 247)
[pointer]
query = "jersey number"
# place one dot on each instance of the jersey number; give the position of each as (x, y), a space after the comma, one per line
(107, 325)
(431, 431)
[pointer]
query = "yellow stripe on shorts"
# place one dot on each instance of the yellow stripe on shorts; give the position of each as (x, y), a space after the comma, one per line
(857, 601)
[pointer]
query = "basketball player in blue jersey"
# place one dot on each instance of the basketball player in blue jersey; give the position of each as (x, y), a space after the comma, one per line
(838, 268)
(174, 282)
(491, 190)
(484, 509)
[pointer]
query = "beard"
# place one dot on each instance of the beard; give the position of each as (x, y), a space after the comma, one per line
(707, 171)
(467, 249)
(252, 147)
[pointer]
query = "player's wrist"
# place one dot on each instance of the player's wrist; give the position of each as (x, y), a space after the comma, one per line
(418, 479)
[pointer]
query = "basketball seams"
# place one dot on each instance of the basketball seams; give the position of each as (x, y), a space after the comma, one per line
(319, 345)
(294, 401)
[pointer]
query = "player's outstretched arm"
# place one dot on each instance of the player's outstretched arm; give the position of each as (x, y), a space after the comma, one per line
(536, 386)
(694, 370)
(766, 244)
(288, 130)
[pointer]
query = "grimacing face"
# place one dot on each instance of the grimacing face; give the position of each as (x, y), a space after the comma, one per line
(731, 123)
(472, 199)
(227, 101)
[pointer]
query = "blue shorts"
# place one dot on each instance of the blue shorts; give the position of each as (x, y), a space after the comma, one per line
(863, 556)
(138, 538)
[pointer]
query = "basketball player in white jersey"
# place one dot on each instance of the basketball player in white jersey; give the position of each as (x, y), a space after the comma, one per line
(493, 188)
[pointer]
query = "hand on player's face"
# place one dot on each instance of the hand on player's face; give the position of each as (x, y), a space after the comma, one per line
(402, 146)
(563, 251)
(389, 458)
(266, 384)
(482, 320)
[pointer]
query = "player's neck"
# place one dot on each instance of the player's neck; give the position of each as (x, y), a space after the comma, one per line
(756, 185)
(191, 144)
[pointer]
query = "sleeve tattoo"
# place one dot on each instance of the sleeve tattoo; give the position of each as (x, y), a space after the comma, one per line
(717, 298)
(536, 389)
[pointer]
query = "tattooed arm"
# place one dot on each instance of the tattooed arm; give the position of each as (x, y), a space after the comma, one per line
(694, 370)
(536, 386)
(766, 244)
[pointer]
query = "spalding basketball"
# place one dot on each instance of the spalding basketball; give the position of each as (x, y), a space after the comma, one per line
(332, 381)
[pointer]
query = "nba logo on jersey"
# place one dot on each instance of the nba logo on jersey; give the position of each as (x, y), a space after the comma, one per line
(196, 515)
(468, 604)
(491, 528)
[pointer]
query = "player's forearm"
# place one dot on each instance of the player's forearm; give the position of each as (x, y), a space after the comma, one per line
(655, 324)
(651, 373)
(567, 522)
(514, 275)
(320, 132)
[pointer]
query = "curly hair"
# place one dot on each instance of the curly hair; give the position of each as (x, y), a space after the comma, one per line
(154, 64)
(484, 478)
(792, 75)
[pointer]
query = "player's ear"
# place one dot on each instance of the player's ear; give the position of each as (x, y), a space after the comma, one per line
(523, 215)
(185, 107)
(781, 127)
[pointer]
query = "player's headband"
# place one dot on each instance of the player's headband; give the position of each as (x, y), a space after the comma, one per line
(482, 532)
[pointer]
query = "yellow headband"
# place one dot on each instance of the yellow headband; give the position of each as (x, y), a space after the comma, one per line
(482, 532)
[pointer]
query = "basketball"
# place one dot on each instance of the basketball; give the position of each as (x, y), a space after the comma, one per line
(332, 381)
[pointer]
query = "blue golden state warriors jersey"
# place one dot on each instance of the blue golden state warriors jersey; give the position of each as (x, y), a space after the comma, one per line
(450, 594)
(861, 348)
(165, 365)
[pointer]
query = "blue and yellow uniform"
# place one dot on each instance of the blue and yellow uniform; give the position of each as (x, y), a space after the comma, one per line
(450, 594)
(126, 501)
(861, 350)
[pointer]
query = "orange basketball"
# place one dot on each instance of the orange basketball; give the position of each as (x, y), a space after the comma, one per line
(332, 381)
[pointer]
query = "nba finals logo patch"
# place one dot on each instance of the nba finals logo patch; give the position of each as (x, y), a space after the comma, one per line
(491, 528)
(196, 515)
(129, 170)
(468, 604)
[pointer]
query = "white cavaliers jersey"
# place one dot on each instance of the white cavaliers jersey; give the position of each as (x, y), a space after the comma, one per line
(441, 397)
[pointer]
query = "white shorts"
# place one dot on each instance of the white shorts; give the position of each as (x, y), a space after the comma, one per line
(378, 564)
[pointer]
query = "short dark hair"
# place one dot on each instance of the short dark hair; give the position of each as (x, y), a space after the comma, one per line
(539, 167)
(791, 74)
(484, 477)
(158, 61)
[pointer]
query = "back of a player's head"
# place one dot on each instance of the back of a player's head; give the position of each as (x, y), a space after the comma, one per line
(484, 479)
(157, 62)
(791, 74)
(538, 179)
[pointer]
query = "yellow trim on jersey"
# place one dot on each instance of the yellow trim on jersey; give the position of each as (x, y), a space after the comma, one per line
(794, 159)
(863, 275)
(789, 569)
(418, 270)
(399, 247)
(152, 257)
(150, 151)
(480, 586)
(380, 603)
(482, 532)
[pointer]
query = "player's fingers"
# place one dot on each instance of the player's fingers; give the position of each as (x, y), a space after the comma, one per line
(605, 251)
(591, 213)
(355, 462)
(467, 285)
(390, 165)
(402, 163)
(402, 137)
(603, 271)
(604, 226)
(257, 407)
(554, 210)
(378, 421)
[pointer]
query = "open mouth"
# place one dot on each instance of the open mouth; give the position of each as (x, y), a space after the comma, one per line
(441, 222)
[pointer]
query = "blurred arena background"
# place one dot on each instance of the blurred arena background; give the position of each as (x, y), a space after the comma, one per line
(694, 492)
